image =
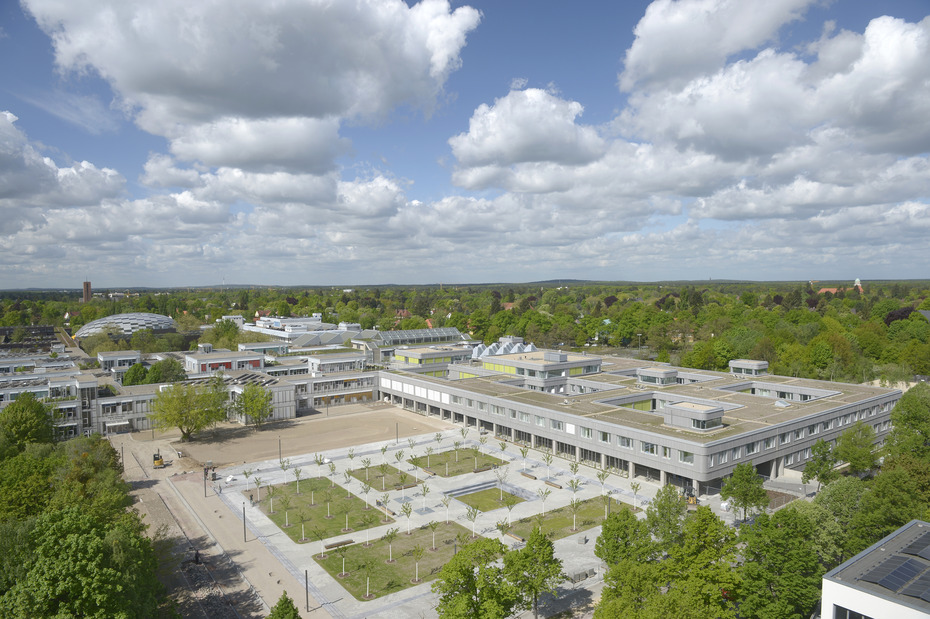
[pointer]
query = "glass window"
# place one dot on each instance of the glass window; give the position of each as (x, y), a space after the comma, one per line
(625, 442)
(666, 452)
(555, 424)
(540, 421)
(605, 437)
(649, 448)
(586, 433)
(686, 457)
(770, 442)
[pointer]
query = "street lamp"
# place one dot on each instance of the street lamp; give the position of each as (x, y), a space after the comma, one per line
(640, 336)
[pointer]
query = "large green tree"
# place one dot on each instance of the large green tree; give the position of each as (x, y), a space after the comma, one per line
(533, 570)
(910, 419)
(135, 375)
(624, 536)
(663, 516)
(27, 420)
(285, 608)
(856, 446)
(781, 571)
(744, 489)
(472, 583)
(253, 404)
(822, 464)
(165, 371)
(189, 408)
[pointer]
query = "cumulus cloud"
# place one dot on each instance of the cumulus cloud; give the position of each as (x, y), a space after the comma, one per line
(680, 40)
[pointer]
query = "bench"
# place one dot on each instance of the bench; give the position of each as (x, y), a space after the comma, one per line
(429, 472)
(385, 508)
(553, 484)
(516, 537)
(405, 486)
(527, 475)
(338, 544)
(482, 469)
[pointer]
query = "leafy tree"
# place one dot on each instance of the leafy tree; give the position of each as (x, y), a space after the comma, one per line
(856, 447)
(663, 516)
(27, 420)
(533, 570)
(190, 408)
(781, 571)
(165, 371)
(624, 536)
(285, 608)
(254, 404)
(821, 465)
(895, 497)
(744, 489)
(827, 540)
(472, 583)
(910, 418)
(135, 375)
(87, 567)
(700, 566)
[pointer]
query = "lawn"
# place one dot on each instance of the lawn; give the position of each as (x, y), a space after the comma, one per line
(449, 464)
(488, 500)
(387, 577)
(557, 523)
(383, 477)
(319, 510)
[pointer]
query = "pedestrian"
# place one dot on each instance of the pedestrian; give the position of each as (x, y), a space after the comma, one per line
(251, 500)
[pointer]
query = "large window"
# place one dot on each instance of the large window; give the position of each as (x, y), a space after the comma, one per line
(586, 433)
(686, 457)
(540, 421)
(649, 448)
(706, 424)
(555, 424)
(605, 437)
(625, 442)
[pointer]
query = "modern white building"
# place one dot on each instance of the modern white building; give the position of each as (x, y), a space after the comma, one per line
(889, 579)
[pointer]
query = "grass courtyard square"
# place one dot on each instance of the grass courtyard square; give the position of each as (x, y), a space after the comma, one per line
(452, 462)
(325, 516)
(558, 523)
(363, 563)
(386, 478)
(489, 499)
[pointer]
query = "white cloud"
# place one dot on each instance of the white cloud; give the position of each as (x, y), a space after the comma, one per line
(680, 40)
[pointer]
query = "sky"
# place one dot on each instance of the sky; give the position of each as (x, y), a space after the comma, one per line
(357, 142)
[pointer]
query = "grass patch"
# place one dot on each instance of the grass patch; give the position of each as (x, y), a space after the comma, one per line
(487, 500)
(306, 513)
(387, 577)
(557, 523)
(384, 478)
(447, 464)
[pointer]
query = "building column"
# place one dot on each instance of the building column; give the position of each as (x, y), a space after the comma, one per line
(696, 486)
(662, 478)
(632, 469)
(603, 461)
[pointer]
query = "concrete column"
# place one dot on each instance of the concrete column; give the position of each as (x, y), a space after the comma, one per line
(662, 478)
(632, 468)
(696, 486)
(603, 461)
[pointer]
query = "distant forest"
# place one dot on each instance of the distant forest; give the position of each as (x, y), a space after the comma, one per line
(821, 330)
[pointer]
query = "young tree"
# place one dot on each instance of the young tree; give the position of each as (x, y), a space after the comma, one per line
(635, 486)
(501, 475)
(472, 583)
(547, 458)
(417, 553)
(254, 405)
(284, 609)
(446, 499)
(821, 465)
(471, 515)
(524, 451)
(297, 473)
(389, 537)
(543, 495)
(573, 467)
(407, 511)
(856, 446)
(189, 408)
(510, 501)
(744, 489)
(455, 446)
(368, 521)
(533, 570)
(433, 525)
(429, 452)
(366, 462)
(574, 505)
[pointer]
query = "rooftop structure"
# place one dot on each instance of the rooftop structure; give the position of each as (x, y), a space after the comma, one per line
(127, 324)
(889, 579)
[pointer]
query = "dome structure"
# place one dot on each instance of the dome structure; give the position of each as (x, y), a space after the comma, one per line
(127, 324)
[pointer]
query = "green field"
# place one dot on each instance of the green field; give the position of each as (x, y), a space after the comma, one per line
(384, 478)
(325, 516)
(451, 463)
(487, 500)
(387, 577)
(557, 523)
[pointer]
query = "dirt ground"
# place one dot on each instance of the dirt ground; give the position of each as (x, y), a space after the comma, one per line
(344, 426)
(233, 578)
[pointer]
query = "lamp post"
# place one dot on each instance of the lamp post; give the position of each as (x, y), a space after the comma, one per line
(640, 342)
(279, 449)
(243, 523)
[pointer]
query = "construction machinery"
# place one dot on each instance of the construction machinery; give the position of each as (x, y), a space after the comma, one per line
(157, 461)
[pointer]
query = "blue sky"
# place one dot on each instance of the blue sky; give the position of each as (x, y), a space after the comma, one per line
(305, 142)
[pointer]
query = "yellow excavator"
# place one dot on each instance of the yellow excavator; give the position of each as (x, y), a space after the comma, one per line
(157, 461)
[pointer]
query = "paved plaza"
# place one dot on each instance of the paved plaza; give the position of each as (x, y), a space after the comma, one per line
(253, 564)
